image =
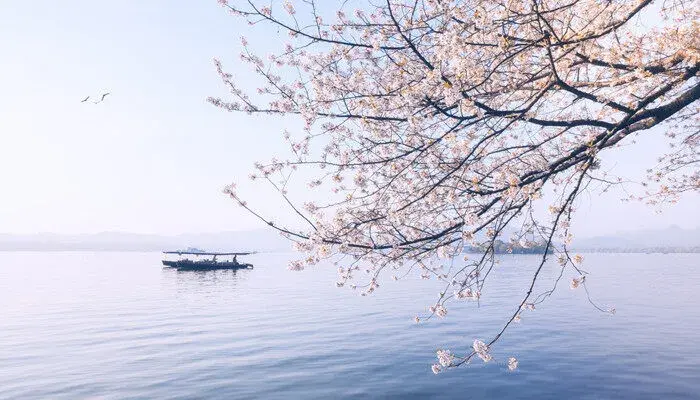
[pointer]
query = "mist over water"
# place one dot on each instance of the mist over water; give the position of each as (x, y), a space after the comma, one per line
(118, 325)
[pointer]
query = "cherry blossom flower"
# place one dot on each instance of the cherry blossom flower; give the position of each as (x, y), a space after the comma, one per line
(289, 7)
(512, 363)
(576, 282)
(482, 350)
(445, 358)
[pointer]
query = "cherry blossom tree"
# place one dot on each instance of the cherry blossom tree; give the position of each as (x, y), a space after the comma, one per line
(436, 126)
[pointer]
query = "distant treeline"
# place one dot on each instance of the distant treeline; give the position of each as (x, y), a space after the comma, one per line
(501, 247)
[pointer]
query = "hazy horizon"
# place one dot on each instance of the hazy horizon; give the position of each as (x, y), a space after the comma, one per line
(621, 231)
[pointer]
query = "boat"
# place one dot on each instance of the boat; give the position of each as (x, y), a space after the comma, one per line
(199, 260)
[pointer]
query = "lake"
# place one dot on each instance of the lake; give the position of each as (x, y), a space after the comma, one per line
(117, 325)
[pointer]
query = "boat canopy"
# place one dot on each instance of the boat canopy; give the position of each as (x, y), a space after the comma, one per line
(204, 253)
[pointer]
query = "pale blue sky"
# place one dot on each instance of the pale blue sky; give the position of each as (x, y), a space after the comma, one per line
(154, 156)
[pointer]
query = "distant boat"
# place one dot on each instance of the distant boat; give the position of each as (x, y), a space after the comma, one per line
(194, 259)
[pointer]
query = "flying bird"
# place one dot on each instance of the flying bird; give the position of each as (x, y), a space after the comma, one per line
(102, 98)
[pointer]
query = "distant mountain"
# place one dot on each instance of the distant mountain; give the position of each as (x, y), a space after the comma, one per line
(255, 240)
(672, 237)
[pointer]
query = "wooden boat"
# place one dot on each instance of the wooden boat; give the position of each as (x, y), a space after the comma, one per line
(198, 260)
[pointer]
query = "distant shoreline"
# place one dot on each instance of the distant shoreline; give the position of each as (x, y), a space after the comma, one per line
(670, 240)
(694, 250)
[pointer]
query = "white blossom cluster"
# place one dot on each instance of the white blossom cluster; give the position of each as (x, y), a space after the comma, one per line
(433, 127)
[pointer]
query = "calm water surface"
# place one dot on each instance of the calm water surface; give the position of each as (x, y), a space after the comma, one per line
(117, 325)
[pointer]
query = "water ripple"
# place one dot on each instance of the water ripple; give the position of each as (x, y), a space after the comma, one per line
(117, 325)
